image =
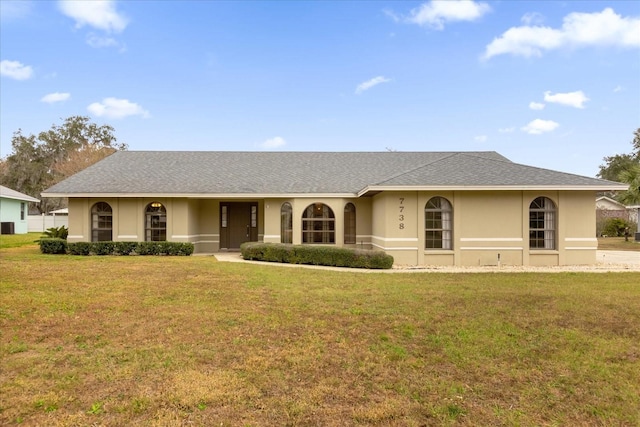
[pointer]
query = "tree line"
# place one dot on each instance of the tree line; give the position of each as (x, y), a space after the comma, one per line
(625, 168)
(39, 161)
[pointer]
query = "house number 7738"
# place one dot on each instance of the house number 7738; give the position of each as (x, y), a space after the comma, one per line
(401, 213)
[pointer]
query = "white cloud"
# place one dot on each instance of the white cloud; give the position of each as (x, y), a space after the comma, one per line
(371, 83)
(435, 14)
(274, 142)
(480, 138)
(15, 70)
(115, 108)
(538, 126)
(605, 28)
(506, 130)
(571, 99)
(99, 14)
(536, 105)
(618, 89)
(55, 97)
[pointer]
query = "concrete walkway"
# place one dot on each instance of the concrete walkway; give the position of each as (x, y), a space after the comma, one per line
(607, 261)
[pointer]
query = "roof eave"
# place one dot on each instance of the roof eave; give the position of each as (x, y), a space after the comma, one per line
(22, 199)
(378, 188)
(201, 195)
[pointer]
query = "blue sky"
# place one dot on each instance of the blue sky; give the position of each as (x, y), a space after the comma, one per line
(549, 84)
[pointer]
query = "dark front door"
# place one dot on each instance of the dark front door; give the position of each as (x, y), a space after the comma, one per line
(238, 224)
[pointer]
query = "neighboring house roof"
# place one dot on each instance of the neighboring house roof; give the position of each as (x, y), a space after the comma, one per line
(7, 193)
(229, 173)
(604, 202)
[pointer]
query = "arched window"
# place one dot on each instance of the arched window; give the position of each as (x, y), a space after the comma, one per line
(438, 218)
(349, 224)
(286, 223)
(101, 222)
(318, 224)
(155, 225)
(542, 224)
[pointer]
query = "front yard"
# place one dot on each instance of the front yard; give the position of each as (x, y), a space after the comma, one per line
(164, 341)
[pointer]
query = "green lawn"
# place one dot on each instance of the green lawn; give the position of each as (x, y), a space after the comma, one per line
(17, 240)
(618, 244)
(172, 341)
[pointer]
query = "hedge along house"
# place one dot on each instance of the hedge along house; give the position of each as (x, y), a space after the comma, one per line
(424, 208)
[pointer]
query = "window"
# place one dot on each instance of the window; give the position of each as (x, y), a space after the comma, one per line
(438, 216)
(542, 224)
(22, 211)
(318, 224)
(155, 223)
(286, 223)
(224, 216)
(101, 222)
(349, 224)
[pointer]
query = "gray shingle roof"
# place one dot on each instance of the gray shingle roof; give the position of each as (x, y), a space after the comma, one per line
(260, 173)
(8, 193)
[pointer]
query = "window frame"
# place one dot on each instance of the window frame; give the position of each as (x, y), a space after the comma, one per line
(350, 224)
(542, 214)
(320, 227)
(286, 223)
(101, 222)
(155, 222)
(438, 224)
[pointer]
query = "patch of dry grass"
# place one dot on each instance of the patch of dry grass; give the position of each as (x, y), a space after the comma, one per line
(166, 341)
(618, 244)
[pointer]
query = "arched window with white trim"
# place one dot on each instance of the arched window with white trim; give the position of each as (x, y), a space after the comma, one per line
(101, 222)
(286, 223)
(318, 224)
(438, 218)
(542, 224)
(155, 224)
(349, 224)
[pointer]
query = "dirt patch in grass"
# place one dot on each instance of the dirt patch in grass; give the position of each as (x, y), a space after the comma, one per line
(164, 341)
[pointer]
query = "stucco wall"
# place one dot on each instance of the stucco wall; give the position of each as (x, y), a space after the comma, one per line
(10, 211)
(488, 227)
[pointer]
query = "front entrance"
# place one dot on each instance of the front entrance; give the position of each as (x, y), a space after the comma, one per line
(238, 224)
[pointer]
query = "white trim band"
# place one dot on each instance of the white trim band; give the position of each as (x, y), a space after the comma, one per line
(491, 248)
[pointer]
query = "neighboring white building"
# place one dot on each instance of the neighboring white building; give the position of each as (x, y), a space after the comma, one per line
(14, 208)
(617, 209)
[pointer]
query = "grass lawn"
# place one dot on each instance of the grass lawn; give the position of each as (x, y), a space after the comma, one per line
(618, 244)
(17, 240)
(173, 341)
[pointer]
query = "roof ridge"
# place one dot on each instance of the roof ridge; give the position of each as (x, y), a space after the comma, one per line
(399, 174)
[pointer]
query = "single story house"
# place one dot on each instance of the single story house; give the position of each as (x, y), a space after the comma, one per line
(424, 208)
(611, 208)
(14, 208)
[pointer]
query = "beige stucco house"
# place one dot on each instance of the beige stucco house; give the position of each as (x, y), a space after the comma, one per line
(424, 208)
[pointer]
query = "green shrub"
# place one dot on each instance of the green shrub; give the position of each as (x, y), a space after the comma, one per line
(147, 248)
(53, 246)
(316, 255)
(103, 248)
(56, 233)
(79, 248)
(129, 248)
(614, 227)
(125, 248)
